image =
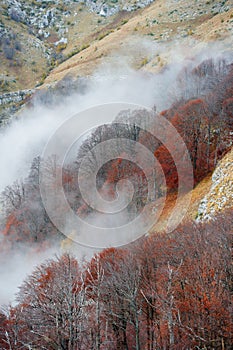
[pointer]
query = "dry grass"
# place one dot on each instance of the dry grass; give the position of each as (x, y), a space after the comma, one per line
(156, 22)
(164, 21)
(218, 195)
(195, 197)
(28, 64)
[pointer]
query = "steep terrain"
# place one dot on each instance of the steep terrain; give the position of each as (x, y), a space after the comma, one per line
(162, 22)
(35, 34)
(45, 45)
(220, 195)
(167, 289)
(43, 42)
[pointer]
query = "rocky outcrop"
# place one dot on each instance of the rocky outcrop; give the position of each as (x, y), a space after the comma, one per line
(104, 9)
(15, 97)
(220, 196)
(39, 16)
(52, 18)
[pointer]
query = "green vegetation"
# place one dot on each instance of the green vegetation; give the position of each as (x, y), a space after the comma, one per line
(103, 35)
(78, 50)
(144, 62)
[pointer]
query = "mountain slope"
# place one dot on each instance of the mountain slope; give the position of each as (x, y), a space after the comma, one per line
(161, 22)
(35, 36)
(220, 195)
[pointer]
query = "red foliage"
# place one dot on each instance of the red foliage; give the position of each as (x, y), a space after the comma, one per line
(227, 110)
(11, 222)
(169, 168)
(164, 292)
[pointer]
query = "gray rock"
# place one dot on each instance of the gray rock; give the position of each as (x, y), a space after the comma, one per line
(14, 97)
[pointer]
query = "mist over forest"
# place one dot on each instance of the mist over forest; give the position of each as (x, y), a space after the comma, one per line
(116, 133)
(163, 291)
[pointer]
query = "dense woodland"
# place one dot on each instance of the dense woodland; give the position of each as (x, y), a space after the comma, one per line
(165, 291)
(202, 114)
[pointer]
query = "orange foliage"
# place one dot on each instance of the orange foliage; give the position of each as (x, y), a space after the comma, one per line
(11, 222)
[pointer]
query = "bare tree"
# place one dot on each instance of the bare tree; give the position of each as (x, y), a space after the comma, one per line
(53, 303)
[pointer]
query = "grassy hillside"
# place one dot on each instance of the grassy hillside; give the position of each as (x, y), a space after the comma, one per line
(161, 22)
(36, 36)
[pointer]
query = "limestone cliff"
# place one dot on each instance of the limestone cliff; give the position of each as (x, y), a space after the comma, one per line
(220, 195)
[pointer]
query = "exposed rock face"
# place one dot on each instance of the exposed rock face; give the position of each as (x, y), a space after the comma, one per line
(39, 16)
(11, 103)
(14, 97)
(104, 9)
(220, 195)
(49, 18)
